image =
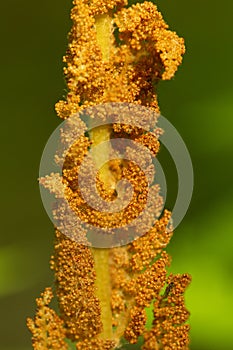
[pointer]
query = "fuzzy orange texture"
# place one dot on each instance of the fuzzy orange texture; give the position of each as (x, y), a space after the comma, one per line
(147, 53)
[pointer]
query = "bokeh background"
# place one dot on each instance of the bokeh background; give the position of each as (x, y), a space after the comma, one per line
(199, 102)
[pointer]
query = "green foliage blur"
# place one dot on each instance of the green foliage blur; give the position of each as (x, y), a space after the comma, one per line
(199, 104)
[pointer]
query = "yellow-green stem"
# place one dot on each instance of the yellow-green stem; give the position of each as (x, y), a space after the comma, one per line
(103, 25)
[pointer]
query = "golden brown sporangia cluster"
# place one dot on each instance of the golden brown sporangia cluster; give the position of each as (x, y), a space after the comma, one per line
(141, 51)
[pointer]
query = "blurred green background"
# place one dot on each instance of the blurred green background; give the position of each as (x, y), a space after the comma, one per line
(199, 102)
